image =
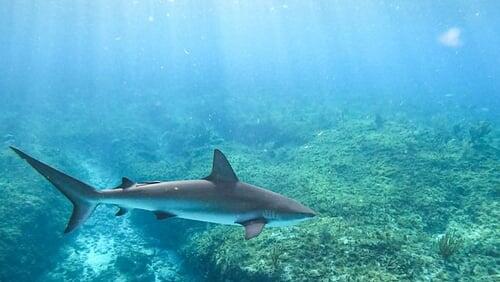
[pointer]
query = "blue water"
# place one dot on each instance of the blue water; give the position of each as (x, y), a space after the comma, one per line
(147, 89)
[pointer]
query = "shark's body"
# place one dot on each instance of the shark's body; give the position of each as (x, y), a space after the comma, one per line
(218, 198)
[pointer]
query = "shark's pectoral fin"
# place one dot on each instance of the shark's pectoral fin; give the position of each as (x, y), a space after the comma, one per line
(126, 183)
(121, 211)
(163, 215)
(221, 169)
(253, 227)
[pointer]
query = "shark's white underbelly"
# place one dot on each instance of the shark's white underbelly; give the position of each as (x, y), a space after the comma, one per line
(193, 210)
(209, 217)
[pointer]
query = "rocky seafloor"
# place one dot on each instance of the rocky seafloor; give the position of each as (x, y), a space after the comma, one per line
(403, 193)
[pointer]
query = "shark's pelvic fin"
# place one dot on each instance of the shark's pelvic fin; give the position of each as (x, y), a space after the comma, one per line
(163, 215)
(121, 211)
(83, 196)
(253, 227)
(126, 183)
(221, 169)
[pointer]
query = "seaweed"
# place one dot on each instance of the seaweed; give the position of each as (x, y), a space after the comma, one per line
(449, 244)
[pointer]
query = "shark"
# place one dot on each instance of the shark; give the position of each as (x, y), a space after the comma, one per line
(219, 198)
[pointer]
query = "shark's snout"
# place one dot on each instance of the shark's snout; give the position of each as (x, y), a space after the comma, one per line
(305, 212)
(309, 212)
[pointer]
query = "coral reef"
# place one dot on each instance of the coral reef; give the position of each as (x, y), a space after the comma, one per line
(383, 195)
(385, 190)
(478, 132)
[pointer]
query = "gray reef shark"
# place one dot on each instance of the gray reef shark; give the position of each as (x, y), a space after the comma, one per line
(218, 198)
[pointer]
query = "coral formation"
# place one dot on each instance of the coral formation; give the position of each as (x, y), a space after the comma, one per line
(383, 194)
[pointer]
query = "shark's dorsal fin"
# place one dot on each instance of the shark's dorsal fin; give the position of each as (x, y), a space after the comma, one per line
(221, 169)
(126, 183)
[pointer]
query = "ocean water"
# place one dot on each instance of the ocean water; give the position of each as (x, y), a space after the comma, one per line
(382, 116)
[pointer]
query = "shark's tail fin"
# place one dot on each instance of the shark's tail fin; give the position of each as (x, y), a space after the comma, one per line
(83, 196)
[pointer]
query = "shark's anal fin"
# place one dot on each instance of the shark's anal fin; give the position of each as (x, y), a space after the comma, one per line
(221, 169)
(253, 227)
(126, 183)
(163, 215)
(121, 211)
